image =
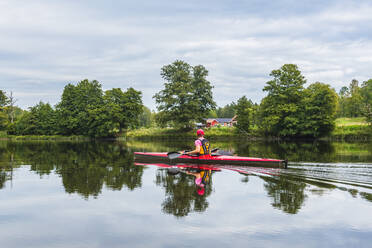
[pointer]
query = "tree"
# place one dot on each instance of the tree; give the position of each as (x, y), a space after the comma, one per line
(119, 111)
(11, 111)
(281, 109)
(355, 99)
(342, 101)
(3, 103)
(244, 113)
(4, 100)
(366, 93)
(186, 97)
(76, 104)
(350, 100)
(145, 117)
(320, 104)
(40, 120)
(228, 111)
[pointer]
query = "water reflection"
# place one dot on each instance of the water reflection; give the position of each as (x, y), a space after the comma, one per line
(182, 196)
(294, 151)
(86, 167)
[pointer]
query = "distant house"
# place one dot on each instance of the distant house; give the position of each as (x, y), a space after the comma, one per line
(227, 122)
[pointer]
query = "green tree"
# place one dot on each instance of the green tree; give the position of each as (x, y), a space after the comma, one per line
(320, 104)
(366, 93)
(186, 97)
(342, 101)
(228, 111)
(77, 103)
(355, 99)
(119, 111)
(244, 111)
(145, 118)
(3, 99)
(40, 120)
(281, 109)
(3, 116)
(350, 100)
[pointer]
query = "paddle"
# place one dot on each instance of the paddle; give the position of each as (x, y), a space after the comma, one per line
(222, 152)
(173, 155)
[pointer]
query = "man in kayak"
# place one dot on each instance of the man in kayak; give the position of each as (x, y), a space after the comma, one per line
(201, 144)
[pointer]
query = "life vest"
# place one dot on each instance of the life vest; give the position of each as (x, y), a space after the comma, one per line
(204, 149)
(205, 175)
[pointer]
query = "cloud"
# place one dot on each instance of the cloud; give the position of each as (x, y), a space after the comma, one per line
(47, 44)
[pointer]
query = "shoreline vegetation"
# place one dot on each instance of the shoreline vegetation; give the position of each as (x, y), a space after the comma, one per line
(348, 129)
(289, 111)
(357, 132)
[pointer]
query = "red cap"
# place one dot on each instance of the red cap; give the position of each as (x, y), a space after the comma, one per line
(200, 132)
(200, 190)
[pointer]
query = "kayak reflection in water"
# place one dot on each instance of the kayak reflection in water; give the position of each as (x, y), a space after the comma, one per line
(202, 178)
(201, 144)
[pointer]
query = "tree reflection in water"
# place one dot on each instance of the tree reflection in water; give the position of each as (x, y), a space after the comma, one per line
(84, 166)
(181, 195)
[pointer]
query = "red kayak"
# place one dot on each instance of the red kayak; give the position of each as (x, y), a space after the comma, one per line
(209, 159)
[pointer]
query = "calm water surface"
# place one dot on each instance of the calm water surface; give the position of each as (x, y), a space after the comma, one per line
(92, 194)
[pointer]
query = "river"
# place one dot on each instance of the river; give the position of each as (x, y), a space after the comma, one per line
(93, 194)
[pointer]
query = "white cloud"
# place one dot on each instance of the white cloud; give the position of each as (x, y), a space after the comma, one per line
(51, 42)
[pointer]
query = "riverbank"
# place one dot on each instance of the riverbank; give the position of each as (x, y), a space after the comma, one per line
(346, 129)
(4, 136)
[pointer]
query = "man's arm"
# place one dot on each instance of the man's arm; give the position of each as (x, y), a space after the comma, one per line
(196, 151)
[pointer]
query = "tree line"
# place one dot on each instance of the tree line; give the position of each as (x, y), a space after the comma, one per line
(288, 110)
(85, 109)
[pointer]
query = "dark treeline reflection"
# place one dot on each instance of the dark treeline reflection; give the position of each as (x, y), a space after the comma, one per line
(181, 195)
(84, 166)
(294, 151)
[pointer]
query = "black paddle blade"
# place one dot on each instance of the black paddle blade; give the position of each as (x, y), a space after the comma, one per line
(173, 171)
(222, 152)
(173, 155)
(214, 150)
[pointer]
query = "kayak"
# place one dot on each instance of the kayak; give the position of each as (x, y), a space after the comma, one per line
(209, 159)
(245, 170)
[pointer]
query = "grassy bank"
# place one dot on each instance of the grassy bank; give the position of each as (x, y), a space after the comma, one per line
(346, 129)
(165, 133)
(4, 136)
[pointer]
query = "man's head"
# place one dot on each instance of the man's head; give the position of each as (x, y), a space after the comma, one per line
(200, 133)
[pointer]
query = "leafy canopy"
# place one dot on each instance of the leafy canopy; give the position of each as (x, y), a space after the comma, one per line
(186, 97)
(281, 108)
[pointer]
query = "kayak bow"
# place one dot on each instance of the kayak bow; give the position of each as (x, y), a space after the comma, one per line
(209, 159)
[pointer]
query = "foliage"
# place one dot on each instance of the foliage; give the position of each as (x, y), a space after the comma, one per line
(320, 103)
(244, 111)
(77, 103)
(86, 110)
(186, 97)
(366, 93)
(350, 100)
(228, 111)
(40, 120)
(281, 110)
(119, 111)
(3, 117)
(3, 99)
(146, 118)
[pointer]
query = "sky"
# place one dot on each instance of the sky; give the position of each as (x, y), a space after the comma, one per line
(46, 44)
